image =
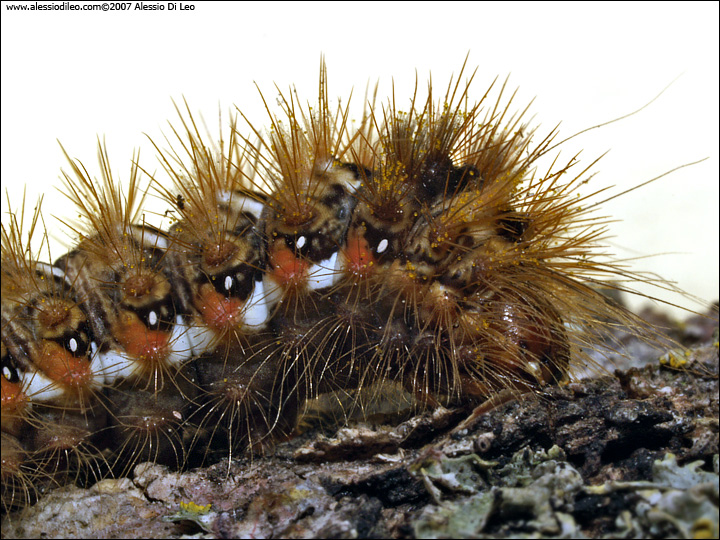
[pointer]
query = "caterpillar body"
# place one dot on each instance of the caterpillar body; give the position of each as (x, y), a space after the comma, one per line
(420, 249)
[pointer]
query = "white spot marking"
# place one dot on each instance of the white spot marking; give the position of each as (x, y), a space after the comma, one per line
(73, 345)
(39, 387)
(97, 367)
(149, 238)
(324, 274)
(195, 338)
(49, 270)
(256, 312)
(240, 203)
(251, 206)
(300, 242)
(180, 346)
(382, 246)
(118, 365)
(273, 289)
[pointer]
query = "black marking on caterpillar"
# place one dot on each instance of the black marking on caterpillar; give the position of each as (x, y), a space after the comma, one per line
(419, 250)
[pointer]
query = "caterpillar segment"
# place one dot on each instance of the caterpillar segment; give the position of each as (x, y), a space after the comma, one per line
(242, 379)
(438, 219)
(119, 274)
(49, 415)
(43, 323)
(405, 164)
(303, 164)
(217, 266)
(303, 161)
(218, 257)
(51, 381)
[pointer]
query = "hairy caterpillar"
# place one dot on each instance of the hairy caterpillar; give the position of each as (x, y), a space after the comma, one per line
(418, 249)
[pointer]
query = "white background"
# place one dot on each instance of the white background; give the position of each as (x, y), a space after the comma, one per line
(74, 75)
